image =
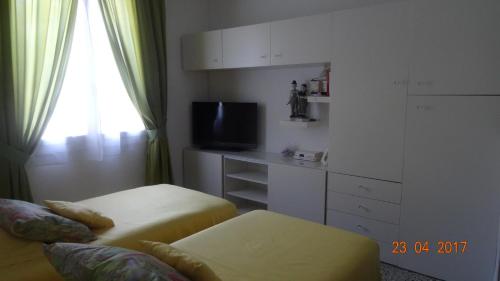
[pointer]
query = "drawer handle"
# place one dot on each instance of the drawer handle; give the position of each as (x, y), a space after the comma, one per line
(364, 229)
(363, 208)
(365, 188)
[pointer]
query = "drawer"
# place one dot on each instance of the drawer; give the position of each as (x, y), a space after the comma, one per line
(376, 230)
(367, 208)
(369, 188)
(386, 254)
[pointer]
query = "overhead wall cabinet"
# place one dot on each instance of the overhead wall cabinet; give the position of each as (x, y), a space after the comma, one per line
(304, 40)
(202, 50)
(246, 46)
(370, 73)
(455, 47)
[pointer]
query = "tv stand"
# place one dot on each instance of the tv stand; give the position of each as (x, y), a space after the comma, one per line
(259, 180)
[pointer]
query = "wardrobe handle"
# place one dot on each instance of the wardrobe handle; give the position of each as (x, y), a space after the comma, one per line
(363, 208)
(365, 188)
(359, 226)
(263, 56)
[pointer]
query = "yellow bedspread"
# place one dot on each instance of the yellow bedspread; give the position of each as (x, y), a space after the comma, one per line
(262, 245)
(159, 213)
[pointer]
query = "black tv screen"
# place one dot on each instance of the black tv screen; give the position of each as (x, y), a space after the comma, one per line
(224, 125)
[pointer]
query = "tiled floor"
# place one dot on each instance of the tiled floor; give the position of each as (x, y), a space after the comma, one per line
(392, 273)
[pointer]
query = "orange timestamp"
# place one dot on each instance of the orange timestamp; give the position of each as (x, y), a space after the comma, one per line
(425, 247)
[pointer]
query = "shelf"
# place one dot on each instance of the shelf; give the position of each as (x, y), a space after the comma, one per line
(299, 124)
(257, 177)
(243, 209)
(255, 194)
(318, 99)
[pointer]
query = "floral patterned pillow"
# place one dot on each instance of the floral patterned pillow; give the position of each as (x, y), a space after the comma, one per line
(80, 262)
(34, 222)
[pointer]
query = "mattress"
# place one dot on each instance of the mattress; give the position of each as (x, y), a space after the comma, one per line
(160, 213)
(262, 245)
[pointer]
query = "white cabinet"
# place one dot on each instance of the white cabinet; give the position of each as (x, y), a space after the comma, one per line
(370, 72)
(456, 47)
(451, 184)
(202, 50)
(246, 46)
(203, 171)
(297, 191)
(302, 40)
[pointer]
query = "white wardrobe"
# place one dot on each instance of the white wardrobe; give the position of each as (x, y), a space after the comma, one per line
(415, 132)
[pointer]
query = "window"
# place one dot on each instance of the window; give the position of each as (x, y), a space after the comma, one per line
(93, 99)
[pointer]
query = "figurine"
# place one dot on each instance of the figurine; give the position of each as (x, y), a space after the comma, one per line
(302, 103)
(293, 101)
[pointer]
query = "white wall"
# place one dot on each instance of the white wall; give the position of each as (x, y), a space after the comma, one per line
(77, 180)
(183, 16)
(229, 13)
(270, 86)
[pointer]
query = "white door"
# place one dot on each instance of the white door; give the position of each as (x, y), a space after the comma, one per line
(202, 51)
(203, 171)
(456, 47)
(451, 185)
(297, 191)
(246, 46)
(370, 70)
(302, 40)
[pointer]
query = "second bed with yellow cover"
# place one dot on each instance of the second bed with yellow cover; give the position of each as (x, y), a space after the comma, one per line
(262, 245)
(160, 213)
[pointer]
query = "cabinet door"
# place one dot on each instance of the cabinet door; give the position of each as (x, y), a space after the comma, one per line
(302, 40)
(203, 171)
(246, 46)
(298, 192)
(451, 185)
(370, 70)
(456, 47)
(202, 50)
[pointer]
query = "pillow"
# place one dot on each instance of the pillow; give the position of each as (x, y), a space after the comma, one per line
(74, 211)
(80, 262)
(189, 266)
(34, 222)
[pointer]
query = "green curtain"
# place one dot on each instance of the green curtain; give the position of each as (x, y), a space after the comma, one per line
(35, 43)
(136, 30)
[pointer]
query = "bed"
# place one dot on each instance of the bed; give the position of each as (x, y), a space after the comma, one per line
(160, 213)
(262, 245)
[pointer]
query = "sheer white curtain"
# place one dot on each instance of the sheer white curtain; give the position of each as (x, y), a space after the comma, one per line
(94, 116)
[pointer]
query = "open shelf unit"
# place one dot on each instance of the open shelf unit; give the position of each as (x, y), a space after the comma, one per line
(251, 176)
(299, 124)
(318, 99)
(245, 183)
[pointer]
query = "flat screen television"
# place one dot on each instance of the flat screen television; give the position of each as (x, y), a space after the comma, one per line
(224, 125)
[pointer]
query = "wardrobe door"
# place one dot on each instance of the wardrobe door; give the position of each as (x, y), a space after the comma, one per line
(370, 72)
(456, 47)
(451, 186)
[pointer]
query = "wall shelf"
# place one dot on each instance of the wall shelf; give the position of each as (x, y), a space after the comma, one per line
(299, 124)
(255, 194)
(318, 99)
(251, 176)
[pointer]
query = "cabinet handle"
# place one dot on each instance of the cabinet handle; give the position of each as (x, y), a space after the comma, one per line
(365, 188)
(278, 55)
(215, 60)
(263, 56)
(359, 226)
(363, 208)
